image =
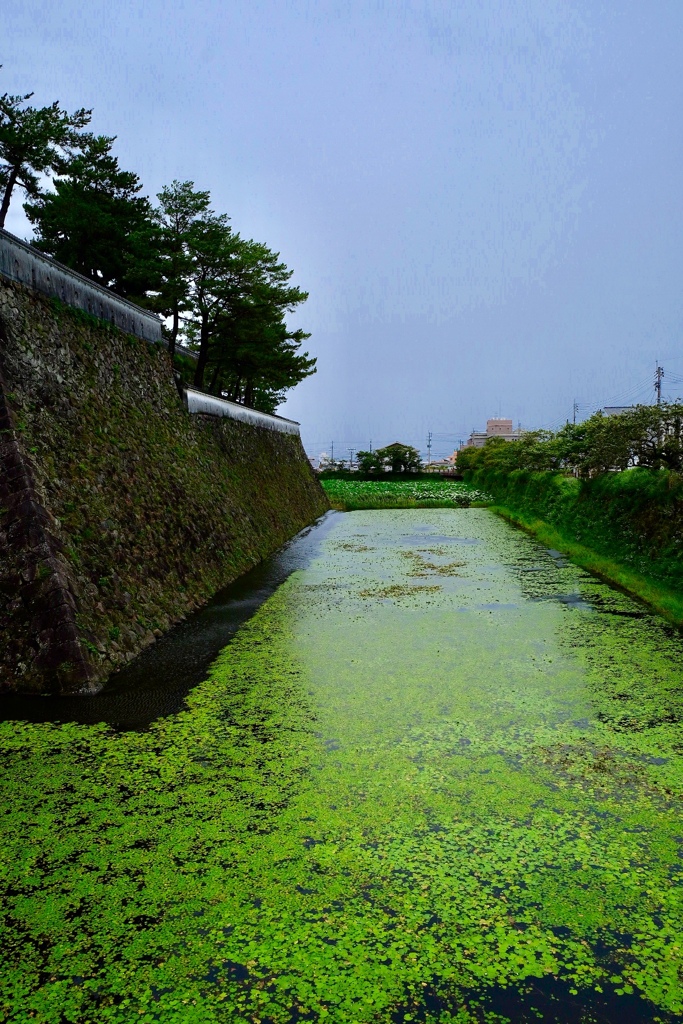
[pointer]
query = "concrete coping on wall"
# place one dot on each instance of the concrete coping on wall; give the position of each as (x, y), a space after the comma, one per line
(21, 262)
(199, 402)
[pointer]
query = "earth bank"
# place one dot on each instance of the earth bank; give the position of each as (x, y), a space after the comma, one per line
(627, 527)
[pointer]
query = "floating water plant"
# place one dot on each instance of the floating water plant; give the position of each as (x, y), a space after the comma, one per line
(457, 806)
(350, 495)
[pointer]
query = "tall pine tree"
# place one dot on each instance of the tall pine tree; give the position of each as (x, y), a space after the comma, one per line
(180, 208)
(34, 141)
(97, 222)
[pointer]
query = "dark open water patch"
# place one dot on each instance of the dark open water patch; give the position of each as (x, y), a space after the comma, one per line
(415, 538)
(157, 682)
(574, 600)
(540, 1001)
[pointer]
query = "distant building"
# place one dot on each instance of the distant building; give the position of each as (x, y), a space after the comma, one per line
(495, 427)
(616, 410)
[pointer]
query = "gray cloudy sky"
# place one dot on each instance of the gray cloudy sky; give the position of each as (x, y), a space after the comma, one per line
(483, 197)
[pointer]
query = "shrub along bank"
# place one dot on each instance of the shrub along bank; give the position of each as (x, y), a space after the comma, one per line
(627, 526)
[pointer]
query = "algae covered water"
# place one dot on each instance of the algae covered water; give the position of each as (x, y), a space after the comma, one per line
(436, 777)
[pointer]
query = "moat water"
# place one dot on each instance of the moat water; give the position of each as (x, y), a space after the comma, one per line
(434, 774)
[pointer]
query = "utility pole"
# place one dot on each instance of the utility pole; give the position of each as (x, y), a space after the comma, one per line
(429, 448)
(576, 409)
(659, 373)
(332, 456)
(351, 451)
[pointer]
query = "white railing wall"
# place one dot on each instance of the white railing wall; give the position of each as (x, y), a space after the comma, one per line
(209, 405)
(20, 262)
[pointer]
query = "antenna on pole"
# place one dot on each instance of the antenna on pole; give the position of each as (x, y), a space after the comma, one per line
(659, 373)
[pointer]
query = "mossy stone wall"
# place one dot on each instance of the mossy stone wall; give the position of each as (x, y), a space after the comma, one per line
(119, 512)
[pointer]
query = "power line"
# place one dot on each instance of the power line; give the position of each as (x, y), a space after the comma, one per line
(442, 441)
(630, 393)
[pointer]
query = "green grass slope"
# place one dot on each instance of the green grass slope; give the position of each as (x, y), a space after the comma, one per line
(627, 527)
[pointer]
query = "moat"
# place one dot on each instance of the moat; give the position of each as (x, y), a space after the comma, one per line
(435, 775)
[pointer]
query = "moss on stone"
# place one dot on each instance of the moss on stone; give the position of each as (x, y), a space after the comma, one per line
(165, 507)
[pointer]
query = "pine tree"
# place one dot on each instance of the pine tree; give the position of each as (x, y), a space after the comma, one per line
(34, 141)
(97, 222)
(180, 207)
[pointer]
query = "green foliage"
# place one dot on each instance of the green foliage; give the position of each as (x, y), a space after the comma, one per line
(227, 297)
(396, 458)
(34, 141)
(647, 436)
(254, 357)
(349, 494)
(393, 798)
(96, 221)
(180, 207)
(369, 462)
(239, 297)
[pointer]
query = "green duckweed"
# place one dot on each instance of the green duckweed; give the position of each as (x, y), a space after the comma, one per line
(451, 799)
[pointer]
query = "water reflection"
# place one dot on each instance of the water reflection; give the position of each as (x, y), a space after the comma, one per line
(157, 682)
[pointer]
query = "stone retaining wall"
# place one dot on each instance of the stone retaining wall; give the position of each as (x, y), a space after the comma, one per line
(119, 511)
(39, 603)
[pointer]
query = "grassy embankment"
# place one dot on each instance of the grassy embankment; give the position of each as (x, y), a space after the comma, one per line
(347, 495)
(625, 527)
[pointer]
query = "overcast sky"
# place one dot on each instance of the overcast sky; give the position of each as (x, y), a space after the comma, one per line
(484, 198)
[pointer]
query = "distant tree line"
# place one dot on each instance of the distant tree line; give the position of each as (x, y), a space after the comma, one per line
(395, 458)
(223, 296)
(649, 436)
